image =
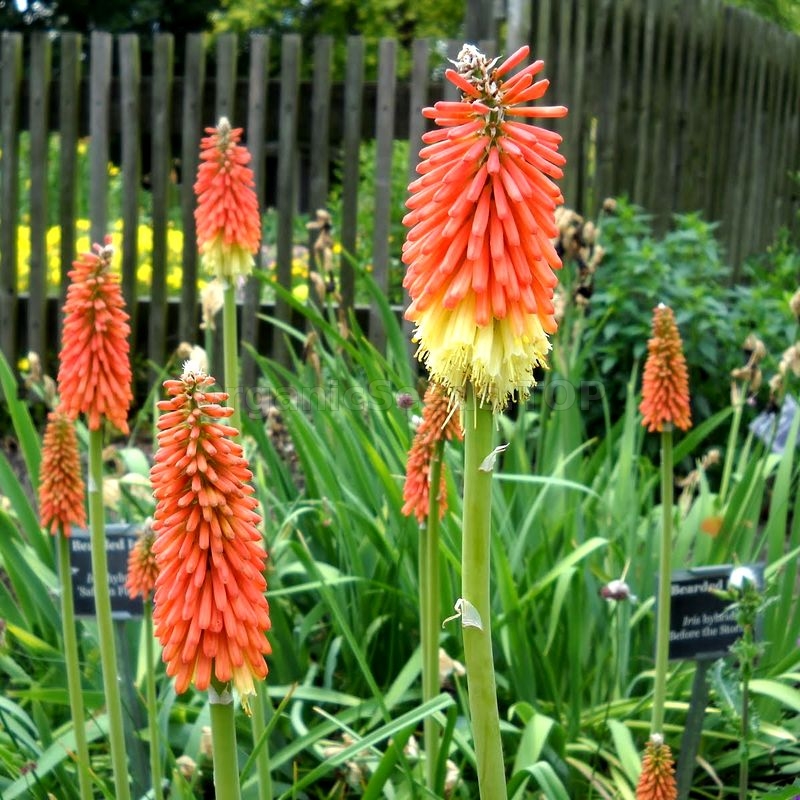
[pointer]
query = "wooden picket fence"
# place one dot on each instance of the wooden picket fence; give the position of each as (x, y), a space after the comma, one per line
(679, 104)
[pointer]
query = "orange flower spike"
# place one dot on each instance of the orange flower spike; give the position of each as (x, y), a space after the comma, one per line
(94, 376)
(438, 423)
(227, 215)
(210, 612)
(142, 566)
(657, 779)
(665, 384)
(61, 491)
(478, 250)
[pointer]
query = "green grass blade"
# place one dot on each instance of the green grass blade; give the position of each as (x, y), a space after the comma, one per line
(21, 419)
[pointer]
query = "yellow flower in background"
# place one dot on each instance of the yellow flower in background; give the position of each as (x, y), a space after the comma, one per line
(144, 274)
(300, 292)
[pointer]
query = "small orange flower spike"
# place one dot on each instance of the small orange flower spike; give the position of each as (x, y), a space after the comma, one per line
(142, 566)
(665, 385)
(438, 423)
(61, 491)
(657, 780)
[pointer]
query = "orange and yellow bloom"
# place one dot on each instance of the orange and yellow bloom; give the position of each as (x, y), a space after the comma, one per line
(227, 216)
(142, 566)
(94, 376)
(438, 423)
(657, 780)
(665, 385)
(479, 252)
(61, 490)
(210, 612)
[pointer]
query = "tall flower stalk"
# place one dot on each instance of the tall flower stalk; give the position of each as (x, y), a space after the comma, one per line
(61, 501)
(94, 379)
(228, 236)
(141, 581)
(210, 612)
(480, 278)
(664, 406)
(425, 496)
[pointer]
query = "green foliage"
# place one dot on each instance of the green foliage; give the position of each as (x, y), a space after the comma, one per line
(366, 209)
(684, 268)
(138, 16)
(572, 510)
(404, 21)
(785, 13)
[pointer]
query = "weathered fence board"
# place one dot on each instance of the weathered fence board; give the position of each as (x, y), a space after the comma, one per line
(38, 105)
(130, 78)
(99, 124)
(160, 169)
(682, 105)
(287, 177)
(353, 98)
(10, 79)
(384, 135)
(69, 88)
(192, 124)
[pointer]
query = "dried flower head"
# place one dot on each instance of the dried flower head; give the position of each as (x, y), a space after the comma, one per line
(227, 216)
(665, 386)
(439, 422)
(479, 251)
(142, 565)
(657, 780)
(61, 490)
(794, 304)
(94, 377)
(210, 612)
(790, 360)
(212, 299)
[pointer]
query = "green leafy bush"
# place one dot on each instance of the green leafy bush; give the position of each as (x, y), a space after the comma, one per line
(686, 269)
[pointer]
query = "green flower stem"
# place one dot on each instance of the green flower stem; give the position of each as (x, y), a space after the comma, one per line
(262, 759)
(430, 613)
(105, 627)
(744, 764)
(230, 353)
(152, 705)
(73, 670)
(730, 450)
(664, 577)
(475, 571)
(230, 350)
(223, 739)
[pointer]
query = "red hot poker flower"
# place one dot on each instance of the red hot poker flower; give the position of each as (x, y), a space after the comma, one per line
(665, 385)
(227, 216)
(142, 566)
(478, 250)
(210, 612)
(438, 423)
(61, 491)
(657, 780)
(94, 376)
